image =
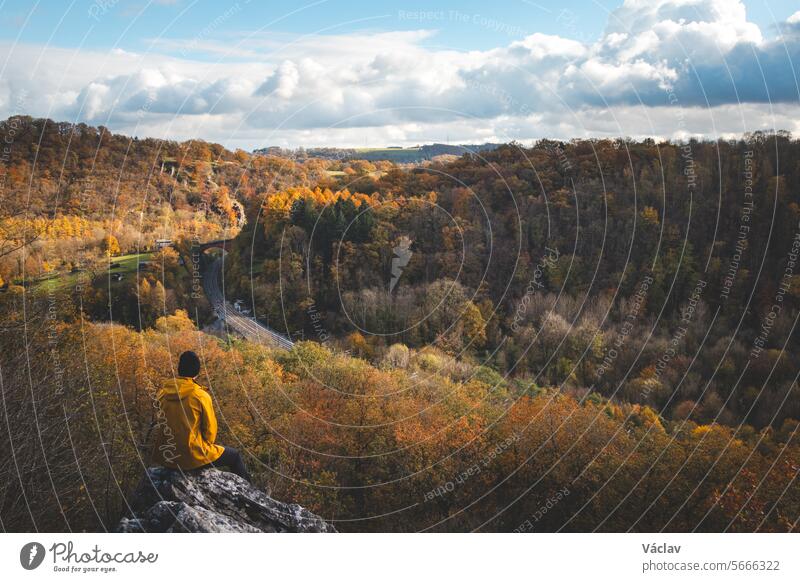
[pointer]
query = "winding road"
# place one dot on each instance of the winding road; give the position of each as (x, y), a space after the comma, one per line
(248, 327)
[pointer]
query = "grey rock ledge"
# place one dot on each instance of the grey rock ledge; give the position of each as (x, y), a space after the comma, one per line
(209, 500)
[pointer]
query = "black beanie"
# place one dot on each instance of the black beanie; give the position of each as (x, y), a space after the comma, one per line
(188, 365)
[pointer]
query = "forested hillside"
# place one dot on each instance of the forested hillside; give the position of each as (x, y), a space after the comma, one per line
(420, 441)
(660, 274)
(573, 336)
(81, 210)
(63, 168)
(65, 187)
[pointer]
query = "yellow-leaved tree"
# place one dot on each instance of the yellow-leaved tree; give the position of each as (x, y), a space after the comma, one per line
(110, 245)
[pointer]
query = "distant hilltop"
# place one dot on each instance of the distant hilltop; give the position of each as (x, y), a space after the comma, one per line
(393, 154)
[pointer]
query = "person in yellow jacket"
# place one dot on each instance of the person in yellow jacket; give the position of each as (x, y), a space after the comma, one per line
(188, 426)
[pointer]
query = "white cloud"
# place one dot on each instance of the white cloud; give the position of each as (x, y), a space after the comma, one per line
(282, 83)
(542, 46)
(390, 87)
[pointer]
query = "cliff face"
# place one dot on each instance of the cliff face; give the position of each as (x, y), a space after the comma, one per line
(211, 501)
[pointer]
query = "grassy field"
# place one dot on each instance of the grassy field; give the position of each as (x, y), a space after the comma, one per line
(61, 280)
(129, 263)
(57, 281)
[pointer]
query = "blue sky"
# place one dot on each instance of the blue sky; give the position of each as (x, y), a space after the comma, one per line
(336, 72)
(462, 24)
(130, 25)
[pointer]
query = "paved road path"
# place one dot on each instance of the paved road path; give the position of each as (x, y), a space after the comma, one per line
(248, 327)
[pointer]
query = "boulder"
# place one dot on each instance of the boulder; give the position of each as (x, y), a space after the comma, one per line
(209, 500)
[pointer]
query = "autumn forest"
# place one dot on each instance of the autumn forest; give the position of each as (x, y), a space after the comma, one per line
(592, 335)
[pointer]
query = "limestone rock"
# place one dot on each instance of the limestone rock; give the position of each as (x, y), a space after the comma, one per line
(210, 500)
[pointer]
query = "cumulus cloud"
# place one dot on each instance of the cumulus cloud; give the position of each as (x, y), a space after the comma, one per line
(282, 82)
(703, 56)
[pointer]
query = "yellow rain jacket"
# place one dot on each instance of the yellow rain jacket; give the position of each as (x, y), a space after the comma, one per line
(187, 426)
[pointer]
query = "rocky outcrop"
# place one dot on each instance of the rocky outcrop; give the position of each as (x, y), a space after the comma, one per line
(211, 501)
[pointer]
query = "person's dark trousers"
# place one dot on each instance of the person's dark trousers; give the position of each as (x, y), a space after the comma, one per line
(231, 459)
